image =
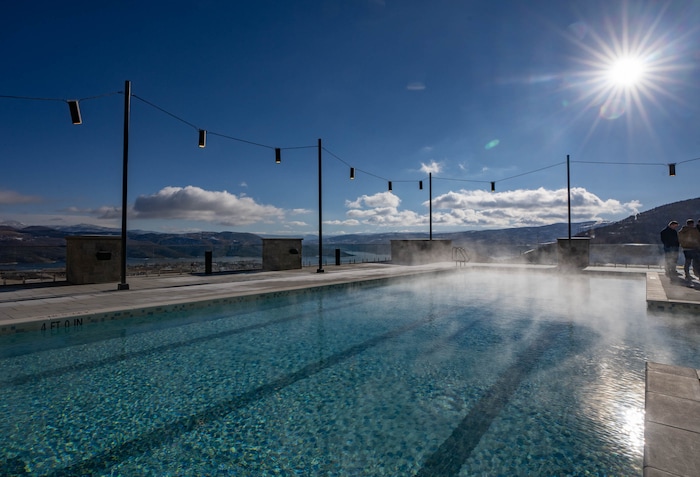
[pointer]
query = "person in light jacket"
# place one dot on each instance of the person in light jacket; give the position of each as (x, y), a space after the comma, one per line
(689, 238)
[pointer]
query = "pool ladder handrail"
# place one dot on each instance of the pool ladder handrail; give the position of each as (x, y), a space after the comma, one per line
(460, 256)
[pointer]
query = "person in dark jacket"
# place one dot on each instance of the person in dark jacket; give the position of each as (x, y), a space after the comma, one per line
(669, 237)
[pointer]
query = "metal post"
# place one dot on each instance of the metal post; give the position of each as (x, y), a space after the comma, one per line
(320, 210)
(430, 189)
(568, 188)
(127, 113)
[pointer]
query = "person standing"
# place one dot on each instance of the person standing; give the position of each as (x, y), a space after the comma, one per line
(669, 237)
(689, 238)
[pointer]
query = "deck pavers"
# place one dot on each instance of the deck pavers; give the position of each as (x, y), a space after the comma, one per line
(672, 421)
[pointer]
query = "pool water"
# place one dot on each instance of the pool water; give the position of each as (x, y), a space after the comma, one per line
(465, 373)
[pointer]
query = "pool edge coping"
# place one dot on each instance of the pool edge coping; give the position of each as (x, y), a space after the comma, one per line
(43, 323)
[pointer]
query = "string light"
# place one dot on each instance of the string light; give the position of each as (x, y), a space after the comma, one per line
(73, 104)
(202, 138)
(74, 111)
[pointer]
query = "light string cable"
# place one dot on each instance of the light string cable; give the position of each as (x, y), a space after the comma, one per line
(688, 160)
(73, 104)
(213, 133)
(357, 169)
(671, 165)
(459, 180)
(625, 163)
(34, 98)
(532, 172)
(638, 163)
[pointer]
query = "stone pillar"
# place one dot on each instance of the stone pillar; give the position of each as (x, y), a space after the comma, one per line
(573, 254)
(93, 259)
(281, 254)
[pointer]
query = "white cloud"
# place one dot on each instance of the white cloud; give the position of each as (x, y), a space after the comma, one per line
(59, 219)
(194, 203)
(378, 200)
(10, 197)
(388, 217)
(300, 211)
(415, 86)
(350, 222)
(381, 209)
(434, 167)
(482, 209)
(104, 212)
(524, 207)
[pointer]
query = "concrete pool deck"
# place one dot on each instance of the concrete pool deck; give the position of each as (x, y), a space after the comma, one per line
(30, 307)
(672, 422)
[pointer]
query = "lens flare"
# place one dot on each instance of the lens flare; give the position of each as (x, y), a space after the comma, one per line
(491, 144)
(612, 109)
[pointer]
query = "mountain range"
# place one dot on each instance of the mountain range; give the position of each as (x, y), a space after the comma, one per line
(41, 244)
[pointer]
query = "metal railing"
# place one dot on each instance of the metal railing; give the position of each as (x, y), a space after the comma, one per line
(460, 256)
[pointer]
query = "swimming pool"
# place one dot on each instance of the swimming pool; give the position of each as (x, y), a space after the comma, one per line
(465, 373)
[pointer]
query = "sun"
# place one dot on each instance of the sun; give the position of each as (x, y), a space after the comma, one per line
(627, 64)
(626, 72)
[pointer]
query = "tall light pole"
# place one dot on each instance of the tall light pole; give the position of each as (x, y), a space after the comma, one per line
(430, 191)
(568, 189)
(125, 169)
(320, 209)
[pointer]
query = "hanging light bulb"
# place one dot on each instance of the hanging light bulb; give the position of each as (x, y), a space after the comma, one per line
(672, 169)
(390, 185)
(352, 173)
(420, 185)
(278, 155)
(493, 186)
(202, 138)
(74, 111)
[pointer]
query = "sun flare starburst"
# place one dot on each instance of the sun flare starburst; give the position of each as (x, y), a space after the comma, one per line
(628, 63)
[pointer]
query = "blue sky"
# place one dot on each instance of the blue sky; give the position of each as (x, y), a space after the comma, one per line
(473, 92)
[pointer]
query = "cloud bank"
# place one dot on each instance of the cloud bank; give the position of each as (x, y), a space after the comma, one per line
(194, 203)
(454, 210)
(10, 197)
(481, 209)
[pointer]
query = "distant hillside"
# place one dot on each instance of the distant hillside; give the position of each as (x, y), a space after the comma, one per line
(45, 244)
(510, 236)
(645, 227)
